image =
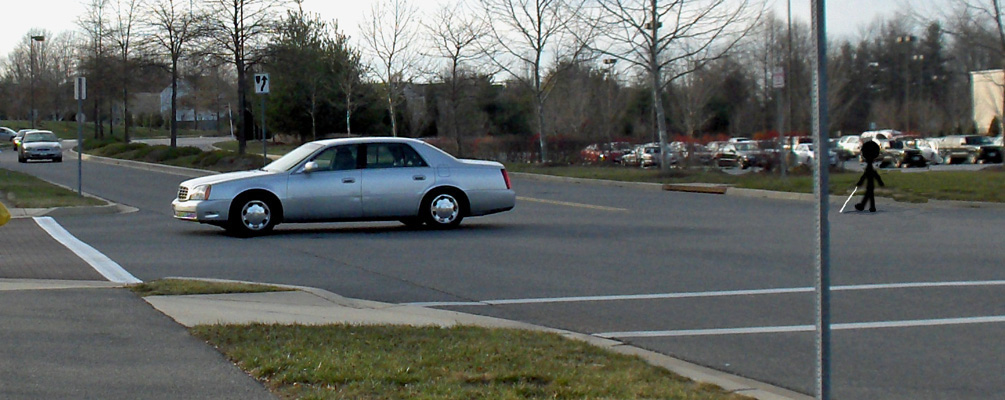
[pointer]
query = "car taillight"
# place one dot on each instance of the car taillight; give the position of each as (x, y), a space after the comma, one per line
(506, 178)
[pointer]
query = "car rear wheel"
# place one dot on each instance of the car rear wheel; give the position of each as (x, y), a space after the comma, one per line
(442, 209)
(251, 216)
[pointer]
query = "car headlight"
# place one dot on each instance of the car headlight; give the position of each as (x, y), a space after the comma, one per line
(200, 192)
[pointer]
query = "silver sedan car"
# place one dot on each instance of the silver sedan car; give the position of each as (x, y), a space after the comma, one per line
(358, 179)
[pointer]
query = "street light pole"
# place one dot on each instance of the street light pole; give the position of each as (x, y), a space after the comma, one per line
(907, 40)
(31, 50)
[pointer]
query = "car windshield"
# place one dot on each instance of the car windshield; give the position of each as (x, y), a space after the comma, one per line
(978, 140)
(896, 144)
(746, 146)
(292, 158)
(40, 137)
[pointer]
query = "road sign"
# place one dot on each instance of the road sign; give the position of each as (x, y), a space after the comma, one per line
(80, 88)
(262, 83)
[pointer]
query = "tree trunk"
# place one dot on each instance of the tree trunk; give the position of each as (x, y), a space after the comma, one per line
(125, 113)
(390, 109)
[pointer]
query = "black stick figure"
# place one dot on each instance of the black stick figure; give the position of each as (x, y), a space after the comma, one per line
(870, 151)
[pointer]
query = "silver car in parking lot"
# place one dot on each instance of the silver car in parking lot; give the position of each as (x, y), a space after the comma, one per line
(358, 179)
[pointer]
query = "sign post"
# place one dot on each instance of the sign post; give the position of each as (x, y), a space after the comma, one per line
(80, 94)
(262, 88)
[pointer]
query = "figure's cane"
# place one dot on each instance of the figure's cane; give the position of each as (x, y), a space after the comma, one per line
(849, 199)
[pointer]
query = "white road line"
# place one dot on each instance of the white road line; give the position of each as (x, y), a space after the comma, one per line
(568, 204)
(101, 263)
(724, 293)
(804, 328)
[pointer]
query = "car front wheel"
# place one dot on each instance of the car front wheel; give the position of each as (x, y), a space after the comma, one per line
(443, 210)
(251, 216)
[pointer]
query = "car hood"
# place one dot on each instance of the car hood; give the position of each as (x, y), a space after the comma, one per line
(225, 177)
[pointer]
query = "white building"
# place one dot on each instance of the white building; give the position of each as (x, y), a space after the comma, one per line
(988, 89)
(185, 114)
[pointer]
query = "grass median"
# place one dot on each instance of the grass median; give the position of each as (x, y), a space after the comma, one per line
(25, 191)
(396, 362)
(919, 187)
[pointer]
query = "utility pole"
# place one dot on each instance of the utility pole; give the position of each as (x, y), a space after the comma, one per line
(31, 45)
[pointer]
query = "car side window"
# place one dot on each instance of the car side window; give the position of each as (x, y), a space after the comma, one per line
(338, 158)
(392, 155)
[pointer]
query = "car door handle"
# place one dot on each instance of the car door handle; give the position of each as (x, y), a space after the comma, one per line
(348, 180)
(419, 178)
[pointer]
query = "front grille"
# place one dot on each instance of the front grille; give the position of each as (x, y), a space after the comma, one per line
(182, 193)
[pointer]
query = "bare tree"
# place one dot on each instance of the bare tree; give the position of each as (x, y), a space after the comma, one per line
(455, 35)
(390, 34)
(95, 23)
(349, 82)
(655, 34)
(523, 32)
(126, 15)
(238, 31)
(171, 27)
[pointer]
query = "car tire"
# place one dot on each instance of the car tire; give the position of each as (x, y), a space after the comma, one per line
(60, 159)
(442, 209)
(972, 159)
(251, 216)
(21, 159)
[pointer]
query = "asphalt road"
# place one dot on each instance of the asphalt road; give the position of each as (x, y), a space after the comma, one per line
(689, 260)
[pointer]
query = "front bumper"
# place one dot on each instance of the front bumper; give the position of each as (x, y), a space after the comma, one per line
(42, 154)
(213, 212)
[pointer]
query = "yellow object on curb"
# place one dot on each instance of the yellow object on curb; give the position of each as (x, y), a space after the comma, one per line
(4, 215)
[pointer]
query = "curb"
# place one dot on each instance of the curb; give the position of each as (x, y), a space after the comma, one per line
(183, 171)
(728, 382)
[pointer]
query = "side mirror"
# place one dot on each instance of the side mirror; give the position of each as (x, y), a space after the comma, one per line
(311, 166)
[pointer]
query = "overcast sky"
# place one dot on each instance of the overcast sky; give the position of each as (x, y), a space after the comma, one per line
(844, 17)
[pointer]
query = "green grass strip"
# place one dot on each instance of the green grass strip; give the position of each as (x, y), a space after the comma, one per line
(398, 362)
(26, 191)
(179, 287)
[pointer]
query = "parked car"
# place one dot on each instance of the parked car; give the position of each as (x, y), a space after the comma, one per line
(929, 150)
(804, 154)
(742, 155)
(885, 134)
(903, 153)
(971, 149)
(605, 152)
(7, 134)
(849, 146)
(632, 158)
(351, 179)
(40, 145)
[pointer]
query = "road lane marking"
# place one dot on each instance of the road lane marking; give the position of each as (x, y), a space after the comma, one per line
(101, 263)
(725, 293)
(568, 204)
(804, 328)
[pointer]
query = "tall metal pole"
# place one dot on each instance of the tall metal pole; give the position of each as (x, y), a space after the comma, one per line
(31, 49)
(820, 188)
(80, 146)
(31, 108)
(265, 152)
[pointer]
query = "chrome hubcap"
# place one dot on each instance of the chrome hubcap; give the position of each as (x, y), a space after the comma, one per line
(255, 215)
(445, 209)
